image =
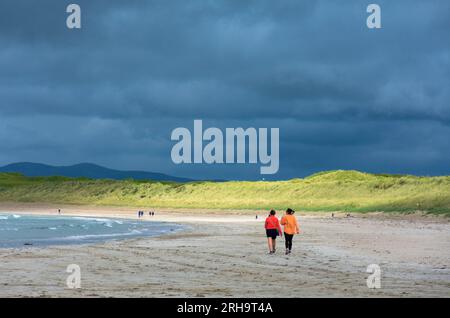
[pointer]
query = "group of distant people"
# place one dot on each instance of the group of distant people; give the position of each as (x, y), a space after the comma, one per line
(273, 229)
(141, 213)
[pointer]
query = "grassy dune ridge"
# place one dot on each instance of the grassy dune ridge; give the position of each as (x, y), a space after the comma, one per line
(350, 191)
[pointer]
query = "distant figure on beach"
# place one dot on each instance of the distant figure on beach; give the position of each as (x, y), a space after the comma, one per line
(256, 216)
(59, 211)
(289, 221)
(273, 229)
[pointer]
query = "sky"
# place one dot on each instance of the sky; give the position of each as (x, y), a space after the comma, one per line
(343, 96)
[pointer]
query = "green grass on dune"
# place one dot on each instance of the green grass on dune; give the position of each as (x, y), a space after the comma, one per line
(349, 191)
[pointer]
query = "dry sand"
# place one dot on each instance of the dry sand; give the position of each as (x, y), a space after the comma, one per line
(223, 255)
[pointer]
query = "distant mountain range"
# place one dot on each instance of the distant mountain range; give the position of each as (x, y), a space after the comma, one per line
(87, 170)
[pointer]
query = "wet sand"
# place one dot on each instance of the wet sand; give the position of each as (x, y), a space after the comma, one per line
(224, 254)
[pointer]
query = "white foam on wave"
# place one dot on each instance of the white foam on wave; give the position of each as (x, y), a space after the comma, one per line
(9, 229)
(16, 216)
(83, 218)
(106, 222)
(93, 236)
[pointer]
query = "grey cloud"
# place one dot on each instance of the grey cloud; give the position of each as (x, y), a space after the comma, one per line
(112, 91)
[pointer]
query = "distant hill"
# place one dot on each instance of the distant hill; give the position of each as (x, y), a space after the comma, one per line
(87, 170)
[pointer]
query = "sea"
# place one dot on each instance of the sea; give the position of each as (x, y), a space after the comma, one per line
(18, 230)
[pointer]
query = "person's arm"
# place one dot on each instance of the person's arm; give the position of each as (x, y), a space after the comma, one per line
(283, 221)
(279, 228)
(297, 227)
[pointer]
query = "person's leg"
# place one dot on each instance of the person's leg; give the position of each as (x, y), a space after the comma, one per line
(291, 236)
(269, 242)
(286, 240)
(274, 244)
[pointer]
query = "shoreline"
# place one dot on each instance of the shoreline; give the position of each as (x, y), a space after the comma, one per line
(201, 214)
(226, 256)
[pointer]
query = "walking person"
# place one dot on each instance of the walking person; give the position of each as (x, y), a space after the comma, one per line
(289, 221)
(273, 229)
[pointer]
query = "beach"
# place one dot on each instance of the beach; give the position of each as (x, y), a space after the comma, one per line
(224, 254)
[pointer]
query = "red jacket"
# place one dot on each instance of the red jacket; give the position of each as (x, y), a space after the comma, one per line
(272, 223)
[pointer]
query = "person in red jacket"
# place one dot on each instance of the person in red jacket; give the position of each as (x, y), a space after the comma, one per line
(273, 229)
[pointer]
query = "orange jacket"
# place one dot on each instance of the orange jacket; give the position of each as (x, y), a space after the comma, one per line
(290, 224)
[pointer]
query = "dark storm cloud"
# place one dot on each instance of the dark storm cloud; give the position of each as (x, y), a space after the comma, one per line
(343, 96)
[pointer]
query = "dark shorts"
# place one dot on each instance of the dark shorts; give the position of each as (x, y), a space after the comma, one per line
(272, 233)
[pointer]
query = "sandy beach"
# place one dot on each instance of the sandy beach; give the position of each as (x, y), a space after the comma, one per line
(224, 254)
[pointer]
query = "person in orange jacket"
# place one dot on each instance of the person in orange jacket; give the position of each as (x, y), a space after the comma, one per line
(289, 221)
(273, 229)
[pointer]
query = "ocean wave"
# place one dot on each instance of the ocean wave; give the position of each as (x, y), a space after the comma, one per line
(9, 229)
(106, 222)
(6, 217)
(83, 218)
(93, 236)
